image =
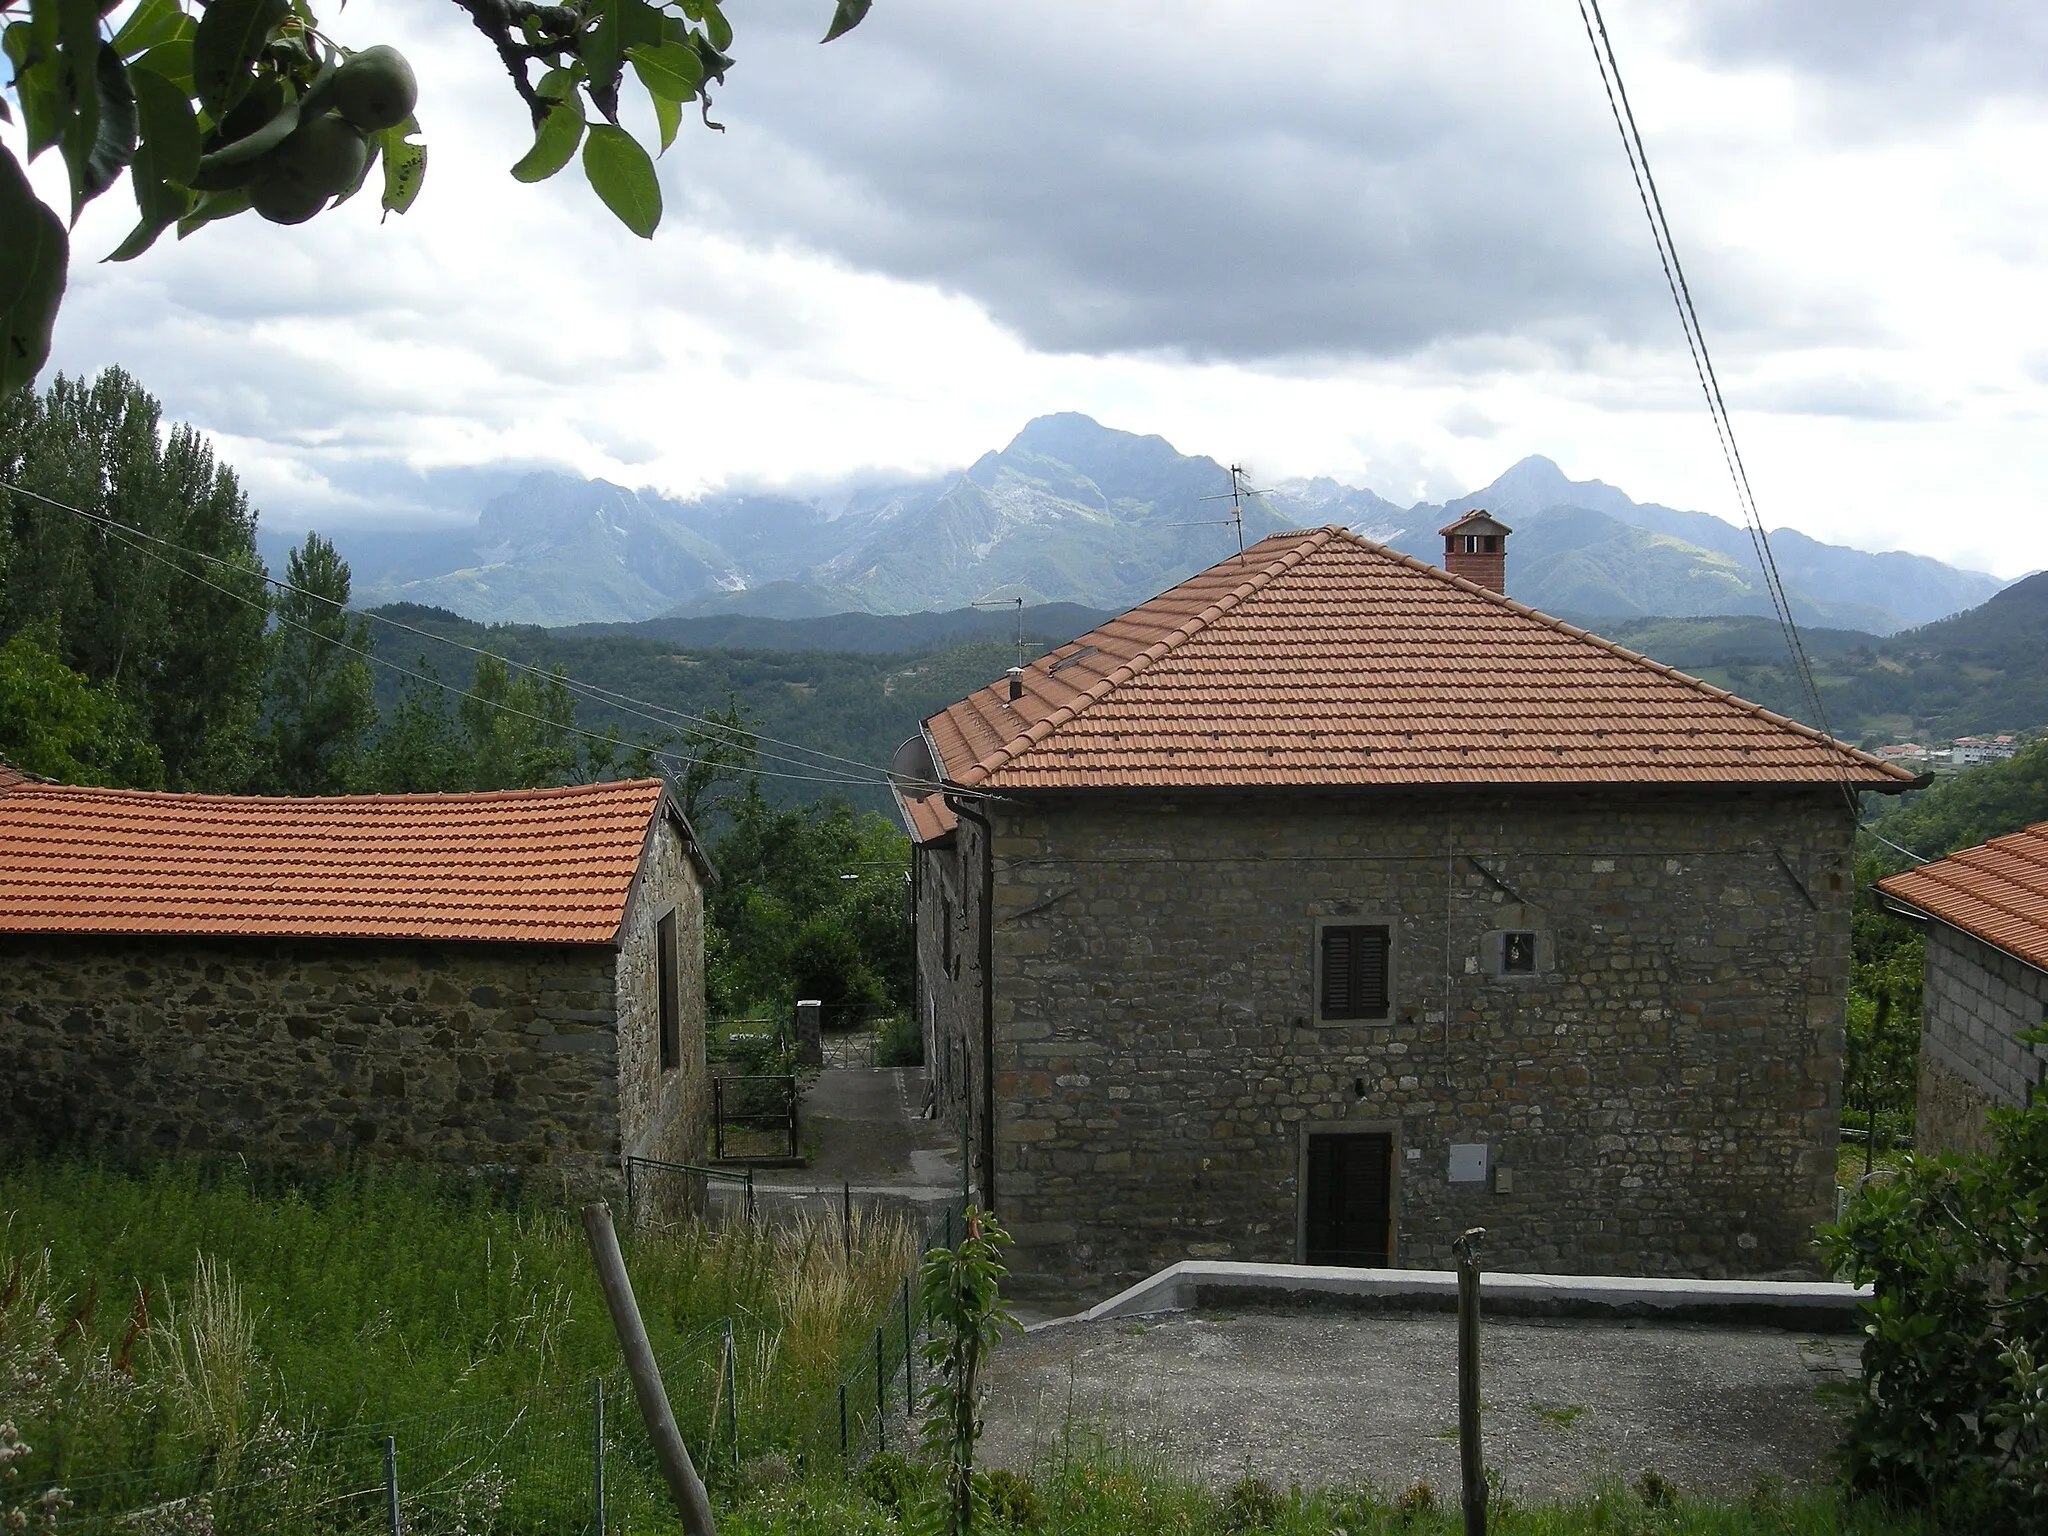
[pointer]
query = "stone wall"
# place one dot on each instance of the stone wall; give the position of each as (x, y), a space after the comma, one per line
(1976, 1000)
(1663, 1095)
(484, 1055)
(663, 1113)
(950, 984)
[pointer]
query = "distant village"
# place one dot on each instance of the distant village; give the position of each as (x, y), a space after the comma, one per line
(1961, 752)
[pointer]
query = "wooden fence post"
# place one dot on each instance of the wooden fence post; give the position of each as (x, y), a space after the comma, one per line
(1471, 1458)
(693, 1505)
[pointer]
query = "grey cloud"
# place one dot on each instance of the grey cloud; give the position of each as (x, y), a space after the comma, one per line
(1921, 55)
(1096, 198)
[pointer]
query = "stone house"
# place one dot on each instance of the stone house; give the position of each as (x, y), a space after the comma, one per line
(505, 981)
(1985, 913)
(1331, 903)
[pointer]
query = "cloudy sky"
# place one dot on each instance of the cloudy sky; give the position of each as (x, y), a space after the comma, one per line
(1392, 243)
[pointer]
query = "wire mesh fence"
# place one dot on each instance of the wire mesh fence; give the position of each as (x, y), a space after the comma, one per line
(564, 1458)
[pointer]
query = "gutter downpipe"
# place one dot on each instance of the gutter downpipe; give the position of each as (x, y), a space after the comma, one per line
(987, 940)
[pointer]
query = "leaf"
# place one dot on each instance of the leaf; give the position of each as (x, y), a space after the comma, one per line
(668, 116)
(719, 28)
(670, 71)
(113, 143)
(39, 85)
(153, 23)
(622, 175)
(224, 204)
(173, 61)
(603, 53)
(715, 63)
(252, 146)
(231, 34)
(554, 145)
(405, 165)
(639, 24)
(170, 130)
(850, 14)
(33, 261)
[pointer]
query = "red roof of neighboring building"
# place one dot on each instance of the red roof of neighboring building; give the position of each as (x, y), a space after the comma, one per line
(1322, 659)
(1997, 892)
(540, 865)
(11, 776)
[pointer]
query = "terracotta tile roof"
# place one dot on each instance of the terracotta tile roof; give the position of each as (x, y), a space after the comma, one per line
(10, 776)
(928, 817)
(1323, 659)
(1998, 892)
(549, 865)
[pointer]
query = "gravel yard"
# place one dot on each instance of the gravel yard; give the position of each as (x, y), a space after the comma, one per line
(1320, 1397)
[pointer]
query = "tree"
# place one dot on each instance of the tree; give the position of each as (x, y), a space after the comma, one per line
(521, 728)
(56, 724)
(1953, 1410)
(234, 105)
(317, 693)
(417, 750)
(107, 507)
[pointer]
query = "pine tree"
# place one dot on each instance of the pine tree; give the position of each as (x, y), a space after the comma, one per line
(317, 696)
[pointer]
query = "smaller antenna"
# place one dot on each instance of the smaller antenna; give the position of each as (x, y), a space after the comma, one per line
(1236, 497)
(1007, 602)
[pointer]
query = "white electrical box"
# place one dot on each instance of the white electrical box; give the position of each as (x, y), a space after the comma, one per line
(1468, 1162)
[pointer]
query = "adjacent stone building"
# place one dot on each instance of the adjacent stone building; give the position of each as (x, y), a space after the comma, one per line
(1330, 904)
(1985, 911)
(508, 981)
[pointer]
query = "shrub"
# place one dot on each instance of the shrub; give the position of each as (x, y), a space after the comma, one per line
(1415, 1500)
(1251, 1505)
(1954, 1413)
(901, 1042)
(890, 1480)
(1009, 1500)
(1656, 1490)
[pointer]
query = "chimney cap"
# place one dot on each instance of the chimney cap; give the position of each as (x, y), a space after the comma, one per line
(1016, 676)
(1478, 520)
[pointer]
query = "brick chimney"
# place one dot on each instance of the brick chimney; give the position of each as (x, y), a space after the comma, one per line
(1476, 548)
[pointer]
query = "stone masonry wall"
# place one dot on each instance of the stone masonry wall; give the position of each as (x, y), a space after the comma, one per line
(1663, 1095)
(663, 1113)
(1976, 999)
(492, 1055)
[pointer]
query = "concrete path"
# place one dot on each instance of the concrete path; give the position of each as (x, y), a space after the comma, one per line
(1327, 1398)
(863, 1126)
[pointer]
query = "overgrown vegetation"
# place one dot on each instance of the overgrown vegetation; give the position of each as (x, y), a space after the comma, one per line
(157, 1318)
(1106, 1492)
(1954, 1414)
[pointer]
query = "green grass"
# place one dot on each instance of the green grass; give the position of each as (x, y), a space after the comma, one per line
(1112, 1495)
(212, 1314)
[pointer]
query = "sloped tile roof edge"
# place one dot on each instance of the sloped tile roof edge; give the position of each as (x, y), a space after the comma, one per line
(1165, 646)
(1311, 541)
(1941, 890)
(664, 804)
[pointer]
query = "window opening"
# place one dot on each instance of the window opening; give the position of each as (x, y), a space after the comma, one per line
(1518, 953)
(1354, 971)
(671, 1001)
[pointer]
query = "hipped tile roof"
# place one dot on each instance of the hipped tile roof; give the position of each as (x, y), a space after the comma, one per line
(545, 866)
(1997, 891)
(1321, 659)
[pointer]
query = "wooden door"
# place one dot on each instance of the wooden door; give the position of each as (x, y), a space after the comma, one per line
(1350, 1204)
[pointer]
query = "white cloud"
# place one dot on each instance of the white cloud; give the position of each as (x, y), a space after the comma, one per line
(1397, 244)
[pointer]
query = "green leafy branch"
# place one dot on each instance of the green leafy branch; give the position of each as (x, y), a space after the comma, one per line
(220, 107)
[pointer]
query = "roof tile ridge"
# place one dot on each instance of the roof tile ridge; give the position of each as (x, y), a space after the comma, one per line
(168, 798)
(1501, 599)
(1185, 631)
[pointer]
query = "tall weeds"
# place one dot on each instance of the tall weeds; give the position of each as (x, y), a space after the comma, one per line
(203, 1361)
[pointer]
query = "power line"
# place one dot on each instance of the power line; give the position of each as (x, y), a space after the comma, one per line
(1703, 362)
(119, 531)
(663, 715)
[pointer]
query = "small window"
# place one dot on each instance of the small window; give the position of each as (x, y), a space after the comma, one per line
(1353, 962)
(1491, 544)
(1518, 953)
(671, 1002)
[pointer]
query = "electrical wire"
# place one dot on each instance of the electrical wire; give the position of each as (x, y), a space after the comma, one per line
(1703, 366)
(658, 714)
(119, 530)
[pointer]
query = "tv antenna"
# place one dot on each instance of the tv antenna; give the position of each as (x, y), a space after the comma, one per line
(1007, 602)
(1237, 494)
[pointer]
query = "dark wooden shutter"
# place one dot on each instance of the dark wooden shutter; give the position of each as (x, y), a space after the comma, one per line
(671, 1003)
(1354, 967)
(1348, 1207)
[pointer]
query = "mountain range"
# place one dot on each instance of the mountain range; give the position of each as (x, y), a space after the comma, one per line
(1072, 511)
